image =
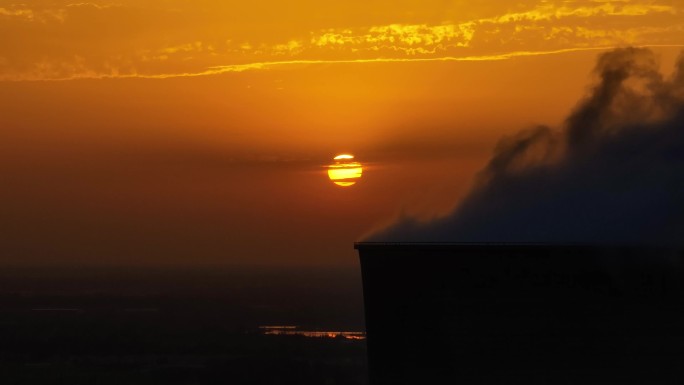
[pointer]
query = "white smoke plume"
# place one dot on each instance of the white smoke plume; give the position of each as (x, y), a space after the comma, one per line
(613, 174)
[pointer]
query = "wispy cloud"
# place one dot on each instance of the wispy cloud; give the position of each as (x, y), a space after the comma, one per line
(24, 13)
(17, 12)
(409, 39)
(270, 65)
(142, 42)
(537, 26)
(546, 12)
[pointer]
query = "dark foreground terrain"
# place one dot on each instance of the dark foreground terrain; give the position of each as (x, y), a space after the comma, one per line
(178, 326)
(524, 314)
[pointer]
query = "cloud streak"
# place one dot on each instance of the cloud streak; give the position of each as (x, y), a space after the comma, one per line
(539, 24)
(88, 40)
(272, 65)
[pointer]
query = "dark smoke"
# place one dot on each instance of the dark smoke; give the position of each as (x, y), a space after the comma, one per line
(614, 173)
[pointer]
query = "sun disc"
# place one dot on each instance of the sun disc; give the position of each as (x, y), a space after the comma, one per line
(345, 184)
(344, 157)
(345, 172)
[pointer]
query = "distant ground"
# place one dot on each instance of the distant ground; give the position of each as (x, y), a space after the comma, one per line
(178, 326)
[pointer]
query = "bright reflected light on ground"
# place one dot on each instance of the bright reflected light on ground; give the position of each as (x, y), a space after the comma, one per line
(295, 331)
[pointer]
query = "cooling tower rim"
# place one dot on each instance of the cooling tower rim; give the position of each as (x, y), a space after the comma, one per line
(512, 245)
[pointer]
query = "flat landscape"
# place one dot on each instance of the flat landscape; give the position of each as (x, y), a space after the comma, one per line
(178, 326)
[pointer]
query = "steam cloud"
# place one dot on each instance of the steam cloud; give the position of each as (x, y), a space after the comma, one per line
(614, 173)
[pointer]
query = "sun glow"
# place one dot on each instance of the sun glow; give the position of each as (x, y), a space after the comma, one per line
(344, 157)
(345, 172)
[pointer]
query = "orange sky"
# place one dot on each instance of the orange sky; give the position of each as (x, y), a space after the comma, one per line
(155, 131)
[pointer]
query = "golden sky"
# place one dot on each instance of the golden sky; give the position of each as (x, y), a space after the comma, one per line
(148, 38)
(198, 131)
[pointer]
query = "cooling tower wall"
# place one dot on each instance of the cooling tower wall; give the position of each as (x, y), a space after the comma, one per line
(523, 314)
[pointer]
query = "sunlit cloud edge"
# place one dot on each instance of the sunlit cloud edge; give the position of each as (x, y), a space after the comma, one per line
(268, 65)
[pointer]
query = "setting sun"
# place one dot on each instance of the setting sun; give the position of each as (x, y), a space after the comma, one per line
(345, 171)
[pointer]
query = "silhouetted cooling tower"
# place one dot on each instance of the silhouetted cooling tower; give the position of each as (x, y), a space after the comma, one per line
(523, 314)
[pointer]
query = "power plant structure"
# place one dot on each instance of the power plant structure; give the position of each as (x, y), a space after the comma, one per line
(527, 314)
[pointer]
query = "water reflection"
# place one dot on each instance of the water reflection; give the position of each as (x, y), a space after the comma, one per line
(295, 331)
